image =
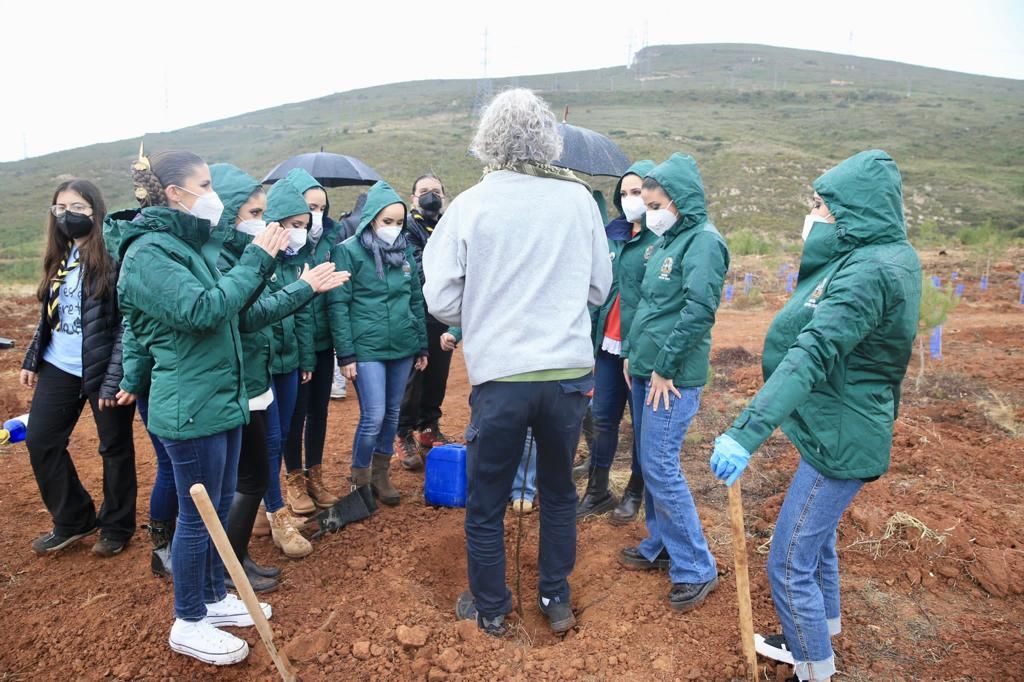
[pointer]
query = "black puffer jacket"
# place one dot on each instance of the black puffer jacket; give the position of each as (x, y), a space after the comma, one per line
(101, 344)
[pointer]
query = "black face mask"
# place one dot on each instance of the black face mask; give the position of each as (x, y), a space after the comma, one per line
(430, 203)
(74, 225)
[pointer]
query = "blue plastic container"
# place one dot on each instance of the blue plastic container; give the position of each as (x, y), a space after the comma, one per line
(445, 481)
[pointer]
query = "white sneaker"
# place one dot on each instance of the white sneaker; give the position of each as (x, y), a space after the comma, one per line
(231, 611)
(203, 641)
(339, 391)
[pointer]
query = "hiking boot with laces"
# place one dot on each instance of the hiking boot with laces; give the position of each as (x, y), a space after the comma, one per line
(558, 613)
(296, 494)
(431, 437)
(409, 447)
(107, 546)
(286, 538)
(465, 609)
(318, 492)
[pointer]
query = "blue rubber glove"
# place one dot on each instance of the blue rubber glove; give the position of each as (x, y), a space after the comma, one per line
(729, 459)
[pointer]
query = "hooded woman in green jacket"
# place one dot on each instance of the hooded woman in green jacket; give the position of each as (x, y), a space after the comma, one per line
(834, 359)
(380, 332)
(667, 366)
(244, 205)
(185, 314)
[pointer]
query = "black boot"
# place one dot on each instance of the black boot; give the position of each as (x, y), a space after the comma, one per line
(241, 516)
(161, 533)
(632, 500)
(582, 469)
(597, 499)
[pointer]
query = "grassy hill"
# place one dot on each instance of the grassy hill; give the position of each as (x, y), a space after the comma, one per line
(761, 121)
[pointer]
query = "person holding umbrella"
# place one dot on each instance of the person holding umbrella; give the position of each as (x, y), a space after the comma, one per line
(626, 237)
(421, 406)
(834, 360)
(667, 366)
(379, 329)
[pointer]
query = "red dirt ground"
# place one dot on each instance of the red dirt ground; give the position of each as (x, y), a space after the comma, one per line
(914, 608)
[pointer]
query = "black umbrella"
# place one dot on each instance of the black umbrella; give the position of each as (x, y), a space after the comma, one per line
(590, 152)
(330, 170)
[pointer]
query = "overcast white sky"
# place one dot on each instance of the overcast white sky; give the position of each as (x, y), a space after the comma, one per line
(76, 73)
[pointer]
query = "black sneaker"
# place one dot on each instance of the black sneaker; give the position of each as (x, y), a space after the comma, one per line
(49, 543)
(688, 596)
(411, 458)
(465, 609)
(773, 647)
(558, 613)
(107, 546)
(632, 559)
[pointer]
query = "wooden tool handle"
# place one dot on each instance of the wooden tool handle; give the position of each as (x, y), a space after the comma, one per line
(739, 553)
(242, 586)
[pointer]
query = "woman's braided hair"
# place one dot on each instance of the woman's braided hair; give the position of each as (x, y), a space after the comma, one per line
(151, 176)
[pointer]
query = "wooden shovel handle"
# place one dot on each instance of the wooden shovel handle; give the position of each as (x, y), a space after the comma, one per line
(739, 553)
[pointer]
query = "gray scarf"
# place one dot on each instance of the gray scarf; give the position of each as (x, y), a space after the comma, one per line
(392, 254)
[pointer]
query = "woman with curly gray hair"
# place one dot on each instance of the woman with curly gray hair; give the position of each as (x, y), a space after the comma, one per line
(515, 261)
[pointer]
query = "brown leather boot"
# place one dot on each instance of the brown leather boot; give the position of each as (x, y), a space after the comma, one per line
(318, 492)
(286, 538)
(380, 481)
(298, 499)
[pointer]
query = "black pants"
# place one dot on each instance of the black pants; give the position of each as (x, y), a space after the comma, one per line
(253, 464)
(424, 394)
(501, 414)
(311, 410)
(56, 407)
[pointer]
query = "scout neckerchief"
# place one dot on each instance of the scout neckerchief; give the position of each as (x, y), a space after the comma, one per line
(53, 309)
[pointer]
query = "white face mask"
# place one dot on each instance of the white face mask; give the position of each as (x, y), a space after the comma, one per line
(809, 221)
(252, 226)
(390, 233)
(316, 228)
(660, 220)
(296, 238)
(206, 207)
(633, 208)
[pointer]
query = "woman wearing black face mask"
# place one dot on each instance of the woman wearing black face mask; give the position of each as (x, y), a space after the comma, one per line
(421, 405)
(75, 356)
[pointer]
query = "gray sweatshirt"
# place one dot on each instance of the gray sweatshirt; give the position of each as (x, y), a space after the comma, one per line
(514, 261)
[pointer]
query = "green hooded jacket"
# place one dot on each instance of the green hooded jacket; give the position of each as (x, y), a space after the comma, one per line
(374, 318)
(135, 360)
(293, 336)
(316, 253)
(623, 270)
(835, 355)
(185, 314)
(682, 285)
(234, 188)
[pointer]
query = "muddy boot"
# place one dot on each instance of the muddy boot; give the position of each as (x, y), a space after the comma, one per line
(597, 499)
(161, 533)
(298, 499)
(286, 538)
(410, 449)
(318, 492)
(241, 517)
(632, 500)
(381, 482)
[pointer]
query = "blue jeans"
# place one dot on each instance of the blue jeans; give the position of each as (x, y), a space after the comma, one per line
(501, 414)
(279, 419)
(525, 485)
(163, 500)
(672, 520)
(803, 567)
(198, 571)
(379, 387)
(611, 394)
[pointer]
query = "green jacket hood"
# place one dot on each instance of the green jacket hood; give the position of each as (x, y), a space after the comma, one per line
(304, 182)
(285, 199)
(380, 196)
(865, 194)
(234, 187)
(640, 169)
(680, 178)
(193, 231)
(114, 226)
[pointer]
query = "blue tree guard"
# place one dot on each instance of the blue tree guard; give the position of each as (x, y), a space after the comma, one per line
(984, 282)
(936, 281)
(936, 344)
(748, 281)
(728, 293)
(955, 276)
(959, 290)
(790, 278)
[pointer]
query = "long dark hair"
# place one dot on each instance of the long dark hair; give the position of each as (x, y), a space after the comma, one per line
(92, 254)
